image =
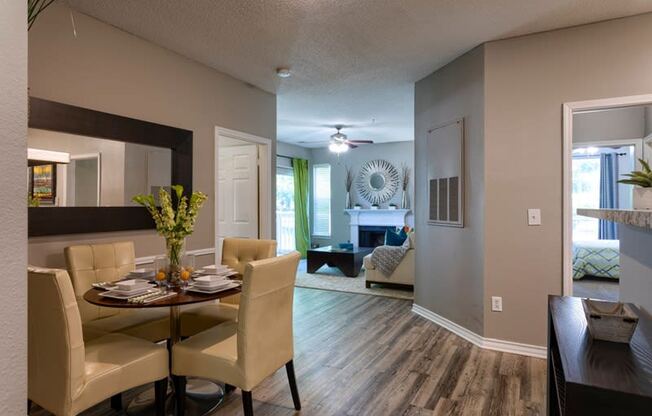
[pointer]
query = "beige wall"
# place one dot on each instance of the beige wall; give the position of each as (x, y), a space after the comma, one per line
(106, 69)
(13, 212)
(449, 261)
(527, 81)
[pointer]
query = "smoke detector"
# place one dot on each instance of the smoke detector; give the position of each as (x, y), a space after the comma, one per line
(283, 72)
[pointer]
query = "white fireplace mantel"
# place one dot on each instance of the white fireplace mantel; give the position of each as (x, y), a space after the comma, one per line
(381, 217)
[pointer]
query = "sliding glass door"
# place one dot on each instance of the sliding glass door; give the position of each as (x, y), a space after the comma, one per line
(285, 236)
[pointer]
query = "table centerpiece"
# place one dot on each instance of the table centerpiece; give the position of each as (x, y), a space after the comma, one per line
(174, 224)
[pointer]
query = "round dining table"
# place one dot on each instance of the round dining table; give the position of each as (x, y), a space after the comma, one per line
(202, 396)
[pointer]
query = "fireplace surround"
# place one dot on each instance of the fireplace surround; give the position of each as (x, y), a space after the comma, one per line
(378, 219)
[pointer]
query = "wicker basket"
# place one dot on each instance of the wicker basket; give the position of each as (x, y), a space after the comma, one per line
(610, 321)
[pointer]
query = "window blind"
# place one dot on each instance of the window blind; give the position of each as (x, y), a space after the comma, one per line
(321, 200)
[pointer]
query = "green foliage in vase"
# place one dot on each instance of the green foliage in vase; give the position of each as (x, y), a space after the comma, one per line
(34, 8)
(642, 178)
(171, 223)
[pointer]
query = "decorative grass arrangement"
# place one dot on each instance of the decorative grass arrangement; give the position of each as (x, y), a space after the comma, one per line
(405, 174)
(348, 178)
(639, 178)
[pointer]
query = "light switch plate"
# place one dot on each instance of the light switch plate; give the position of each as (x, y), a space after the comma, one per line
(496, 304)
(534, 216)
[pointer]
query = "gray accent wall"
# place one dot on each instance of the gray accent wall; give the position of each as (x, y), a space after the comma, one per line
(449, 260)
(527, 80)
(397, 153)
(511, 93)
(612, 124)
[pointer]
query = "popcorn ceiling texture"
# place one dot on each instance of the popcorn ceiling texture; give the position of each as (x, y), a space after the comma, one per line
(13, 208)
(353, 60)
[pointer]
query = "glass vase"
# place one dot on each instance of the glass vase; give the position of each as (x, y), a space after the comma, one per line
(405, 203)
(174, 250)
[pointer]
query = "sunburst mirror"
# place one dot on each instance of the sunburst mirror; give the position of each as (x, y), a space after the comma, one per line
(378, 181)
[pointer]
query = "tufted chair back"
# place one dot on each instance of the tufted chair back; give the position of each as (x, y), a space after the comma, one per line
(56, 362)
(265, 340)
(88, 264)
(238, 252)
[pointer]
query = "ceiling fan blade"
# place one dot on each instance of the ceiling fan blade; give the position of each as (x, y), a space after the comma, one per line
(361, 141)
(352, 146)
(314, 142)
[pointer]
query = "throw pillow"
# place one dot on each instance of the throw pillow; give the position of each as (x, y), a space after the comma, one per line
(393, 238)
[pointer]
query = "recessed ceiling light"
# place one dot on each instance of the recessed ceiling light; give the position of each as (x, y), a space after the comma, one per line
(283, 72)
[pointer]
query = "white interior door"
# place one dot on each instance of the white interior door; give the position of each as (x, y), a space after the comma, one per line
(238, 191)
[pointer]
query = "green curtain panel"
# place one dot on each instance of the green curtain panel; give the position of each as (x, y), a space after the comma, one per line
(301, 187)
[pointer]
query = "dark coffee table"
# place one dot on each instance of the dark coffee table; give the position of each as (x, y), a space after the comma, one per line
(348, 261)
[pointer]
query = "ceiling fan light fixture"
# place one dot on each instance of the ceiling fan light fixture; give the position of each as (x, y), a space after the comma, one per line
(338, 136)
(336, 147)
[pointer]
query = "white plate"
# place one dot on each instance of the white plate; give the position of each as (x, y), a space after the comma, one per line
(210, 278)
(141, 272)
(131, 284)
(212, 285)
(231, 285)
(112, 294)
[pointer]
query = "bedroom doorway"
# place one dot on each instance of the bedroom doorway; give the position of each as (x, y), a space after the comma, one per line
(603, 140)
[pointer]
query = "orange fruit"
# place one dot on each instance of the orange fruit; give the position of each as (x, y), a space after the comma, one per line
(160, 276)
(185, 275)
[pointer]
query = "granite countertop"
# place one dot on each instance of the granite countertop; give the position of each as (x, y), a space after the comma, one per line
(635, 217)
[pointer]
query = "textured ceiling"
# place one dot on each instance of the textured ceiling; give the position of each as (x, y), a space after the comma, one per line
(354, 62)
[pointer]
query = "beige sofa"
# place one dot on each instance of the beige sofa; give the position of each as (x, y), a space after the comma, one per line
(402, 276)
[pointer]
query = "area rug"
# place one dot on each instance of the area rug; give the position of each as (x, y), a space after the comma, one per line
(330, 278)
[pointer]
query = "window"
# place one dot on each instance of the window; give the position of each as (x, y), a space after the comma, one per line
(285, 208)
(321, 191)
(586, 194)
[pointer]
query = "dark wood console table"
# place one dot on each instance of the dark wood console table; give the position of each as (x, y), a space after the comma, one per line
(590, 377)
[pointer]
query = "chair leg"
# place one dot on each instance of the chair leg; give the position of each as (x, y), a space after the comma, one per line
(293, 385)
(116, 402)
(367, 285)
(247, 403)
(160, 394)
(228, 388)
(180, 394)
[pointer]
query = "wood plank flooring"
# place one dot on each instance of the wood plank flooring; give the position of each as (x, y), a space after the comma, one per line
(366, 355)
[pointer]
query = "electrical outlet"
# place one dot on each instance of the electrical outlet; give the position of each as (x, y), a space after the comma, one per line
(496, 304)
(534, 216)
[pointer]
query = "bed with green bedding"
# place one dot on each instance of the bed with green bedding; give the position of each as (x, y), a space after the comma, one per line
(600, 258)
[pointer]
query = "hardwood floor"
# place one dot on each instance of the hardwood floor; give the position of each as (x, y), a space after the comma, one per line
(368, 355)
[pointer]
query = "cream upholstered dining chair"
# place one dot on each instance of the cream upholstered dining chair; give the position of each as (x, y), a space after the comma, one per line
(244, 353)
(236, 253)
(88, 264)
(66, 375)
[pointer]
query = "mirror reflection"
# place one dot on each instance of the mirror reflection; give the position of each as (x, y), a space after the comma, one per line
(67, 170)
(377, 181)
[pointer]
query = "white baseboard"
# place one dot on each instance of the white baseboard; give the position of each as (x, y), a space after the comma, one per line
(482, 342)
(199, 252)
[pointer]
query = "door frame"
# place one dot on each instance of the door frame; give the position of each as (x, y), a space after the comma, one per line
(88, 156)
(567, 175)
(264, 181)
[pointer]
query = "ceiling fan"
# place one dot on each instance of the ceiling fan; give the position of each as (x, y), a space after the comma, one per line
(340, 143)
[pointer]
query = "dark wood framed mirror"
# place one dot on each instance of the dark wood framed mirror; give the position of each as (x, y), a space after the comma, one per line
(161, 146)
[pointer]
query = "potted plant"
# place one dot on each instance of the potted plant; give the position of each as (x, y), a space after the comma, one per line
(642, 181)
(173, 223)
